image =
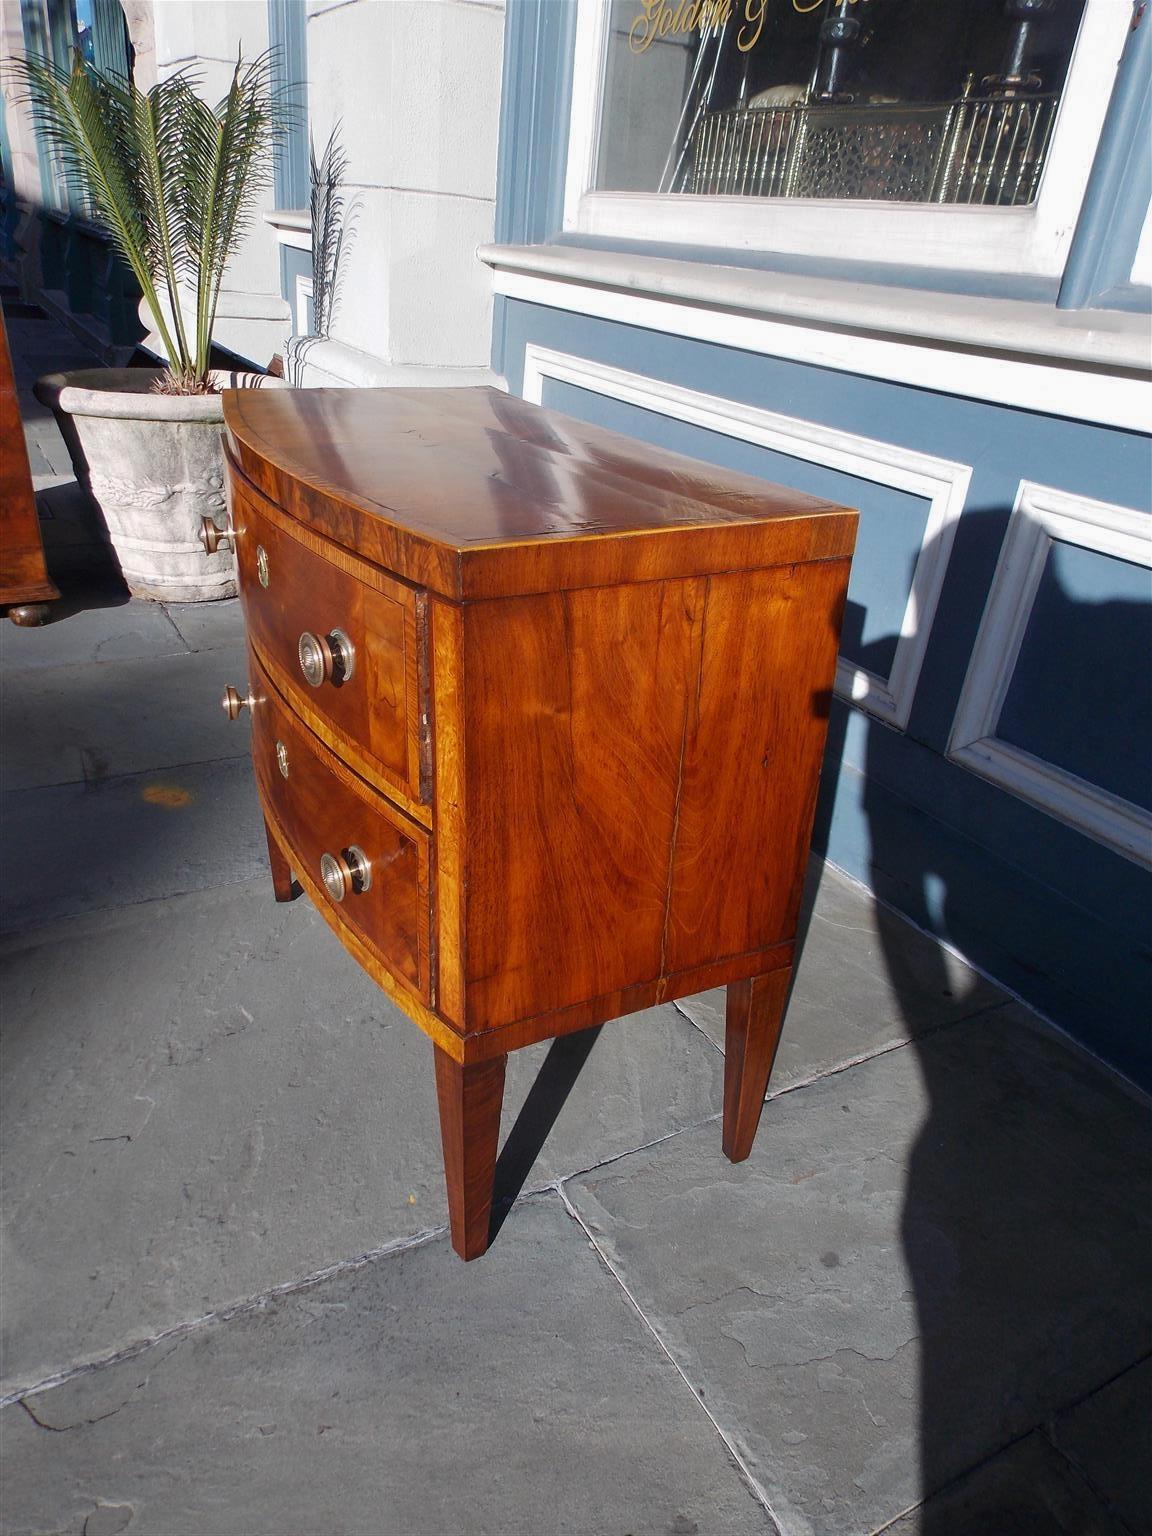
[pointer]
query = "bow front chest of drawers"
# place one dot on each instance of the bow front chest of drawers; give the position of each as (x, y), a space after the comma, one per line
(537, 720)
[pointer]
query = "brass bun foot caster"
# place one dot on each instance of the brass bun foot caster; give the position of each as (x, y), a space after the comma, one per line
(28, 615)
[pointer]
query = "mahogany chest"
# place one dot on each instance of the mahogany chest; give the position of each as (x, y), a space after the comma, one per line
(537, 720)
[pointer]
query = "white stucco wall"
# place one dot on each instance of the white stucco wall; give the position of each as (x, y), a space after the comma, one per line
(17, 120)
(205, 37)
(415, 85)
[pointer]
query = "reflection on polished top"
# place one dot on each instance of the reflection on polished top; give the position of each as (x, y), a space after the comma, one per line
(476, 493)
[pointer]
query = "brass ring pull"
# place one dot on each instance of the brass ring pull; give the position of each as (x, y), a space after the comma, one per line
(361, 867)
(315, 659)
(336, 875)
(327, 658)
(348, 870)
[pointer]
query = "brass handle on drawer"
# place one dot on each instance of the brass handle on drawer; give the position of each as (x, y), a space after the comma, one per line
(326, 658)
(233, 702)
(212, 537)
(349, 869)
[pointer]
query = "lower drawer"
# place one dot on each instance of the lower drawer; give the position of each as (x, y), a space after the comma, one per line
(366, 863)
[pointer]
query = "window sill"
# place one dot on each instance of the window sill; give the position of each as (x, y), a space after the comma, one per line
(1018, 329)
(293, 226)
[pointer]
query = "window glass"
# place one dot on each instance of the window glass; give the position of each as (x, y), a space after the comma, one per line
(921, 101)
(85, 36)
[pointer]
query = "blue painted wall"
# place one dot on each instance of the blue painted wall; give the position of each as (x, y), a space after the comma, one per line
(1054, 915)
(1051, 913)
(1086, 659)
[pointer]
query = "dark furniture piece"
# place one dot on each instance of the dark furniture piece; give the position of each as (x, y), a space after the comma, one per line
(537, 720)
(25, 590)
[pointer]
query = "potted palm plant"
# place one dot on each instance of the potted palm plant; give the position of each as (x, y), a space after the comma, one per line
(176, 183)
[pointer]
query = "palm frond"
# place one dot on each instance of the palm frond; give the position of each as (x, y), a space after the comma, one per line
(227, 164)
(175, 181)
(158, 119)
(327, 207)
(87, 120)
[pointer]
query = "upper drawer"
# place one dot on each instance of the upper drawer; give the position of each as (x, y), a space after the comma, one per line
(341, 639)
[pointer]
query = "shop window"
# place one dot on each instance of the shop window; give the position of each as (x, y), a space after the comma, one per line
(97, 30)
(890, 100)
(704, 120)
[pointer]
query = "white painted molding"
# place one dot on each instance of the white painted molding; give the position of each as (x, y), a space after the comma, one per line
(1041, 516)
(304, 292)
(1033, 239)
(1142, 262)
(293, 227)
(943, 484)
(1022, 329)
(315, 362)
(1054, 388)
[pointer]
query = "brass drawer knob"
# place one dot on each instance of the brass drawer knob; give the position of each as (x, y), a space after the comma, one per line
(212, 537)
(348, 870)
(327, 658)
(233, 702)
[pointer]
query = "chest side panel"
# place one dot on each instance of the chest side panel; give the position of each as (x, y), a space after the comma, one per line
(575, 705)
(752, 756)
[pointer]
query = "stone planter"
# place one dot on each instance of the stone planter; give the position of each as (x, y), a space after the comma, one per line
(154, 466)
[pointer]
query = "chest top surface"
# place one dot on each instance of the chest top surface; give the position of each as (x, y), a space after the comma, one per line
(475, 493)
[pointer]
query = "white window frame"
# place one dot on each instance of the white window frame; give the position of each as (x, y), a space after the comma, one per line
(304, 292)
(1031, 240)
(1045, 515)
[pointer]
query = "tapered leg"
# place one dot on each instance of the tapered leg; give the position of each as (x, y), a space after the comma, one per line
(283, 885)
(753, 1016)
(470, 1101)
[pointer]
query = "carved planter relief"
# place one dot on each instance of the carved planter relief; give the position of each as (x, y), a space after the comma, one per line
(153, 465)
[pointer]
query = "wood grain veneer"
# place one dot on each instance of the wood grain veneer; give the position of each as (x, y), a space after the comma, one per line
(582, 739)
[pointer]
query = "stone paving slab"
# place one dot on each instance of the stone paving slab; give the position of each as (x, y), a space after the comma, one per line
(121, 631)
(865, 980)
(79, 556)
(1028, 1490)
(209, 626)
(513, 1396)
(71, 848)
(205, 1097)
(1108, 1437)
(38, 463)
(66, 725)
(923, 1257)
